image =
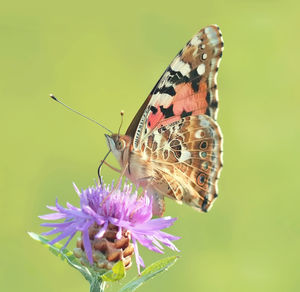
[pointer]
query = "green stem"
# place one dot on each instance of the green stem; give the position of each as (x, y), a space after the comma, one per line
(102, 286)
(97, 285)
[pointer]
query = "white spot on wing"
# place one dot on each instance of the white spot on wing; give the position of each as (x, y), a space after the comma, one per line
(198, 134)
(185, 155)
(213, 62)
(201, 69)
(164, 79)
(213, 74)
(157, 138)
(195, 41)
(163, 99)
(180, 66)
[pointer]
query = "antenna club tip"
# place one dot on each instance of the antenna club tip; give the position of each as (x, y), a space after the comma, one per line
(122, 113)
(53, 97)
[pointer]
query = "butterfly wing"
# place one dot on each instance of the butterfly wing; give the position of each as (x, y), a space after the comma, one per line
(187, 87)
(178, 118)
(186, 159)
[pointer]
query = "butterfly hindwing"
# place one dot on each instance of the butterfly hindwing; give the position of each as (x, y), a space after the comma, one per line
(186, 158)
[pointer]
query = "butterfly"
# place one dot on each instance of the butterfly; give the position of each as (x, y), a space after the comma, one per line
(173, 146)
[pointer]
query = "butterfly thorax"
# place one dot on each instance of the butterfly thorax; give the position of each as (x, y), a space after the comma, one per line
(138, 170)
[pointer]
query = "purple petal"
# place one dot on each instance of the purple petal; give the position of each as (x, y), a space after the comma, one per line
(71, 207)
(89, 210)
(165, 241)
(61, 225)
(59, 207)
(168, 236)
(156, 242)
(86, 242)
(102, 230)
(65, 234)
(138, 259)
(68, 241)
(53, 216)
(76, 189)
(53, 231)
(155, 224)
(119, 233)
(52, 208)
(143, 240)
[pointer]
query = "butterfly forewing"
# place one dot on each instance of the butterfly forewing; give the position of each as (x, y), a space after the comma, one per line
(187, 87)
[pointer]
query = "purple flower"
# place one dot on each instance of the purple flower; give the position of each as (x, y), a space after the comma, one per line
(102, 205)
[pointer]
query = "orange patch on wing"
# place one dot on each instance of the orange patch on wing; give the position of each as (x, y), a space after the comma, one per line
(186, 99)
(153, 119)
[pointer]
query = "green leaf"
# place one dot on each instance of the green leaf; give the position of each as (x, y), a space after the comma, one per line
(66, 255)
(117, 273)
(150, 272)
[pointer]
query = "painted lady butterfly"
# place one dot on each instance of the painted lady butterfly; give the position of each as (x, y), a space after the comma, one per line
(173, 146)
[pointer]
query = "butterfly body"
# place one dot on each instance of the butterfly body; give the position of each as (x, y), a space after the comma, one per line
(135, 166)
(173, 147)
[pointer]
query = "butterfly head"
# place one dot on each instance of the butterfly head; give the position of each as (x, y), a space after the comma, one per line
(119, 145)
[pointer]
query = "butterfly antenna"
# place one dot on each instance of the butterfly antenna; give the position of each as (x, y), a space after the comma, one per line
(122, 114)
(76, 112)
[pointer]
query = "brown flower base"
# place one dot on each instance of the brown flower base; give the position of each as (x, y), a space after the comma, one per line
(107, 250)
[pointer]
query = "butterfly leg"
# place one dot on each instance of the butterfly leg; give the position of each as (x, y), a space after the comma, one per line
(117, 184)
(121, 176)
(111, 167)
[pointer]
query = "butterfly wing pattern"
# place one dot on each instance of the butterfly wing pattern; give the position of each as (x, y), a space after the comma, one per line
(175, 130)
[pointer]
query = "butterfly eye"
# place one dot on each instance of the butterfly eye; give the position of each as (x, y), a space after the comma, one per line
(120, 145)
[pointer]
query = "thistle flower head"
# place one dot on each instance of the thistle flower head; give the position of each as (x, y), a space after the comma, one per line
(104, 206)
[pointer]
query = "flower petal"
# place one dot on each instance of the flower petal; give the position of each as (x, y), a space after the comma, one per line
(138, 259)
(53, 216)
(76, 189)
(102, 230)
(87, 243)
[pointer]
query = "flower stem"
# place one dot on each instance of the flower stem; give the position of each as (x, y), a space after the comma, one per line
(97, 285)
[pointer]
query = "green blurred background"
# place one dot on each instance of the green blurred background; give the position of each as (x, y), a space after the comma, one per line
(103, 57)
